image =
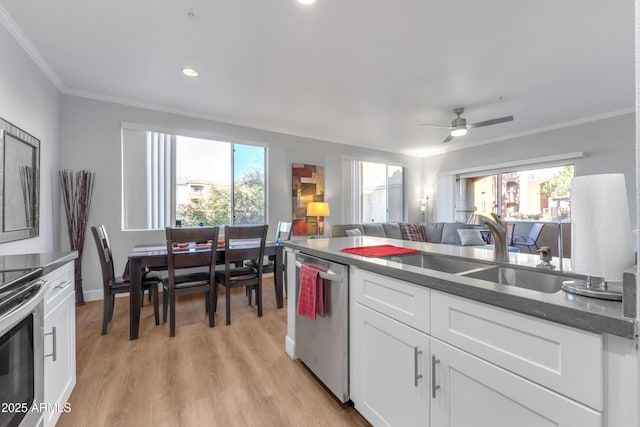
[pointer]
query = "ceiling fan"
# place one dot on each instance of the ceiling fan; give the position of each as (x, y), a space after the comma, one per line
(459, 125)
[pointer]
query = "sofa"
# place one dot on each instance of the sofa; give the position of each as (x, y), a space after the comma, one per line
(433, 232)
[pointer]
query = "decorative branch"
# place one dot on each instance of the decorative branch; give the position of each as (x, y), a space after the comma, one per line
(76, 194)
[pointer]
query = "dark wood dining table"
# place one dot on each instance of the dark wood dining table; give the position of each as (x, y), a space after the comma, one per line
(155, 257)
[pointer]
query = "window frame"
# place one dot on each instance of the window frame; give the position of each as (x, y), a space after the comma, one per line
(173, 172)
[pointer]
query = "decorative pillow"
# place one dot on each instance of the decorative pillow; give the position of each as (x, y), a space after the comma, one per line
(470, 237)
(450, 232)
(413, 232)
(352, 233)
(374, 230)
(433, 231)
(392, 230)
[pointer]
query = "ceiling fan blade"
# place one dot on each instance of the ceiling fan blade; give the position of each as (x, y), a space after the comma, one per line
(448, 138)
(436, 126)
(491, 122)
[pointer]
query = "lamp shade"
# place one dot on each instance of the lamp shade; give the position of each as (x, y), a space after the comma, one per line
(318, 209)
(601, 243)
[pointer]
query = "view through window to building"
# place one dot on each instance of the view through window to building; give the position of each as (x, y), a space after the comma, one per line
(169, 178)
(531, 195)
(382, 192)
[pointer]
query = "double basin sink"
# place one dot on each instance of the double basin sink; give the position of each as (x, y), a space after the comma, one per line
(538, 280)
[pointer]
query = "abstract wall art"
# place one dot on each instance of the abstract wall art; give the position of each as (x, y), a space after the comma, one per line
(307, 186)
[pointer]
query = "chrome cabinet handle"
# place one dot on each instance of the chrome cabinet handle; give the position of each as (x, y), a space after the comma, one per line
(416, 375)
(63, 284)
(54, 352)
(434, 386)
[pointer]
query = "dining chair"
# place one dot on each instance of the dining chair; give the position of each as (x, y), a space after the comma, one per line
(112, 284)
(188, 248)
(283, 233)
(241, 243)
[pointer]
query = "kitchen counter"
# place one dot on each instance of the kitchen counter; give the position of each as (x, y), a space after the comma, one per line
(48, 261)
(590, 314)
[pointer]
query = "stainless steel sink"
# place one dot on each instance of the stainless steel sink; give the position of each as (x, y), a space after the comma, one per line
(536, 280)
(436, 262)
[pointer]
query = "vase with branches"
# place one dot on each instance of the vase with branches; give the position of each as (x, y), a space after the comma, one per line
(77, 189)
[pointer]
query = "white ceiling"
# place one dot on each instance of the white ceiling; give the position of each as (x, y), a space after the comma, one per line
(359, 72)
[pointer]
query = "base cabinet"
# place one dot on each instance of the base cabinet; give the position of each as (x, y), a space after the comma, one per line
(389, 370)
(472, 392)
(59, 342)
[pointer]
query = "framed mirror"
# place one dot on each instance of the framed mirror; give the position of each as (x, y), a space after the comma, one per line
(20, 183)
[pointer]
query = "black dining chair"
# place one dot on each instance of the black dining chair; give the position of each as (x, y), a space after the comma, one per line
(188, 248)
(112, 284)
(241, 243)
(283, 233)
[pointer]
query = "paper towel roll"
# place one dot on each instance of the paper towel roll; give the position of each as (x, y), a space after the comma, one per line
(600, 229)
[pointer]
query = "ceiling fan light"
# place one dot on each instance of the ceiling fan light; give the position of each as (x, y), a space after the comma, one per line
(459, 132)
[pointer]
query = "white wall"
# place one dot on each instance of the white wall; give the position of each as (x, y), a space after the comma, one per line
(608, 146)
(90, 133)
(30, 101)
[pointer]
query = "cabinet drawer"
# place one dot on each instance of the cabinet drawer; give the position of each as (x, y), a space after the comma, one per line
(403, 301)
(59, 285)
(565, 359)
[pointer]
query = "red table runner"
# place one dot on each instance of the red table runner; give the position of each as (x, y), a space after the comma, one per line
(380, 250)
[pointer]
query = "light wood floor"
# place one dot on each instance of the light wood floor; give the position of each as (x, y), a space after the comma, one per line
(237, 375)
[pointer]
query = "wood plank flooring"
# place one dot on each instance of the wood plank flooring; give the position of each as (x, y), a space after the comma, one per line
(237, 375)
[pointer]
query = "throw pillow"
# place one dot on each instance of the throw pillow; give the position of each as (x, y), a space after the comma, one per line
(374, 230)
(433, 231)
(352, 233)
(450, 233)
(392, 230)
(470, 237)
(413, 232)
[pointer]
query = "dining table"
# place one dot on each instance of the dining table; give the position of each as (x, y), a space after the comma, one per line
(154, 256)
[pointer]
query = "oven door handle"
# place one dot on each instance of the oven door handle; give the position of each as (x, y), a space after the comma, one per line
(323, 274)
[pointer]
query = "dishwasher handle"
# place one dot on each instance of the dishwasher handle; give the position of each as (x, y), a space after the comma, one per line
(323, 274)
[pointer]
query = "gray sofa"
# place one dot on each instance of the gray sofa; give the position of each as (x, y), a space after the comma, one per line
(433, 232)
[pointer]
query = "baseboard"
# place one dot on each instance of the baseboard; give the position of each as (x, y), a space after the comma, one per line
(93, 295)
(290, 347)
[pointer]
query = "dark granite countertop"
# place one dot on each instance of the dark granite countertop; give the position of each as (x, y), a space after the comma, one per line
(590, 314)
(48, 261)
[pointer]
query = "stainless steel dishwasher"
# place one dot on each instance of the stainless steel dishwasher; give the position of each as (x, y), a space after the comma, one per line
(323, 344)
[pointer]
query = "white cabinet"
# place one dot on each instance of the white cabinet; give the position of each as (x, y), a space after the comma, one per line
(469, 391)
(59, 341)
(420, 357)
(389, 373)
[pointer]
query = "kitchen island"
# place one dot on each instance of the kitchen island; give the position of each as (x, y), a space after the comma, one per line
(454, 337)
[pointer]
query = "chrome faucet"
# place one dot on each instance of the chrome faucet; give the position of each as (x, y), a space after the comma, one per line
(498, 229)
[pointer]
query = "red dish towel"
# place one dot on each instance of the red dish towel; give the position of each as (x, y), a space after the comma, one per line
(309, 278)
(380, 250)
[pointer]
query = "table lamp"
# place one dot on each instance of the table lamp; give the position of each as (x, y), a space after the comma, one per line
(601, 246)
(318, 209)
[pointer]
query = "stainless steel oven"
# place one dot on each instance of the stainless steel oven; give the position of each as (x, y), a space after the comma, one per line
(21, 348)
(323, 344)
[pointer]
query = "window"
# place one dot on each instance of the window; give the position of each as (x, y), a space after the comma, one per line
(376, 191)
(534, 194)
(196, 181)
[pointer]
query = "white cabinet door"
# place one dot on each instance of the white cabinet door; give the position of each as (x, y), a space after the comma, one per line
(470, 392)
(60, 347)
(389, 370)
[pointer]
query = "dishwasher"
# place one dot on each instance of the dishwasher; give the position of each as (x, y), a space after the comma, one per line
(323, 344)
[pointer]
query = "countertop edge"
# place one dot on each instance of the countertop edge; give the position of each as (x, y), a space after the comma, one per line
(547, 307)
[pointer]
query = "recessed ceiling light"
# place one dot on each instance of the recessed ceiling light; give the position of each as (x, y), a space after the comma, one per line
(306, 1)
(190, 72)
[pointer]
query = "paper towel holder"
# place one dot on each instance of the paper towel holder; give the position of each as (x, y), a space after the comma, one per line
(601, 235)
(591, 288)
